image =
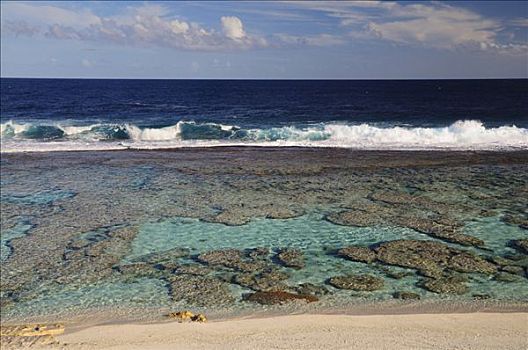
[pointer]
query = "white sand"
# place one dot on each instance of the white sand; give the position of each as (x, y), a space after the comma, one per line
(418, 331)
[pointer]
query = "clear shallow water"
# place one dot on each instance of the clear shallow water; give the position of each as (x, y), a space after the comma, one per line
(84, 215)
(21, 228)
(319, 239)
(315, 237)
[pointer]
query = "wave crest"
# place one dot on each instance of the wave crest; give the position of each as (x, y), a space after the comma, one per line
(464, 134)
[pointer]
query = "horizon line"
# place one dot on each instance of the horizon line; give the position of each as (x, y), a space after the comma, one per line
(264, 79)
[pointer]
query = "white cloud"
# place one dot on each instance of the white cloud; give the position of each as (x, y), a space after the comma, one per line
(20, 28)
(435, 25)
(519, 22)
(432, 24)
(232, 27)
(179, 27)
(39, 14)
(147, 25)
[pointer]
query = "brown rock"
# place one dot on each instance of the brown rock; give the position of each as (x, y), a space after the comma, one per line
(357, 282)
(430, 258)
(357, 253)
(278, 297)
(406, 296)
(263, 281)
(199, 290)
(520, 244)
(355, 218)
(233, 259)
(445, 285)
(290, 257)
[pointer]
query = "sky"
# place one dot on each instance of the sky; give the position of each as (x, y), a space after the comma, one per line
(265, 40)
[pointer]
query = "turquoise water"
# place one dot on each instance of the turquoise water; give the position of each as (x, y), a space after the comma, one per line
(21, 229)
(67, 232)
(317, 238)
(39, 198)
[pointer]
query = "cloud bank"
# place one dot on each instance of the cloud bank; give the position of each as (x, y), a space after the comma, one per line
(430, 25)
(147, 25)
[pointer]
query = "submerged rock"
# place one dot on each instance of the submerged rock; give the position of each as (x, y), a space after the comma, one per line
(439, 226)
(515, 270)
(481, 296)
(139, 269)
(233, 259)
(97, 260)
(468, 262)
(192, 269)
(406, 295)
(355, 218)
(500, 261)
(357, 253)
(431, 259)
(221, 257)
(446, 285)
(164, 257)
(276, 212)
(263, 281)
(229, 218)
(311, 289)
(290, 257)
(519, 220)
(278, 297)
(506, 277)
(357, 282)
(258, 253)
(403, 199)
(200, 291)
(520, 244)
(397, 275)
(441, 229)
(518, 258)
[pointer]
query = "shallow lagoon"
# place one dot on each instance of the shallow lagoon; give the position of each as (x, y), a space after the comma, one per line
(70, 220)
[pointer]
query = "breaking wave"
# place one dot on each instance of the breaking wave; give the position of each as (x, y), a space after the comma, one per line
(461, 135)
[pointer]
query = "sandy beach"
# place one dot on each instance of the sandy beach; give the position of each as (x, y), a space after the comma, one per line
(412, 331)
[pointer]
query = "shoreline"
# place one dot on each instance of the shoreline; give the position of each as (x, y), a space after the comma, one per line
(130, 315)
(308, 331)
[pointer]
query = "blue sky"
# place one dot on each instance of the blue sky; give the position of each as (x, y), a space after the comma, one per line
(270, 40)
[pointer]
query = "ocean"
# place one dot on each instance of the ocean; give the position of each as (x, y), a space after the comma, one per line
(91, 114)
(130, 199)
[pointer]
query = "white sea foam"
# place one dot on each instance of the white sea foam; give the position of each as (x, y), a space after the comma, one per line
(74, 130)
(461, 135)
(11, 126)
(154, 134)
(468, 134)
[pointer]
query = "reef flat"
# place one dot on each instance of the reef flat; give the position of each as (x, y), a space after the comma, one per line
(254, 228)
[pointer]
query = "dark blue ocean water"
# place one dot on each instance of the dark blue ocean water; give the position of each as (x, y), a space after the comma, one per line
(257, 103)
(255, 110)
